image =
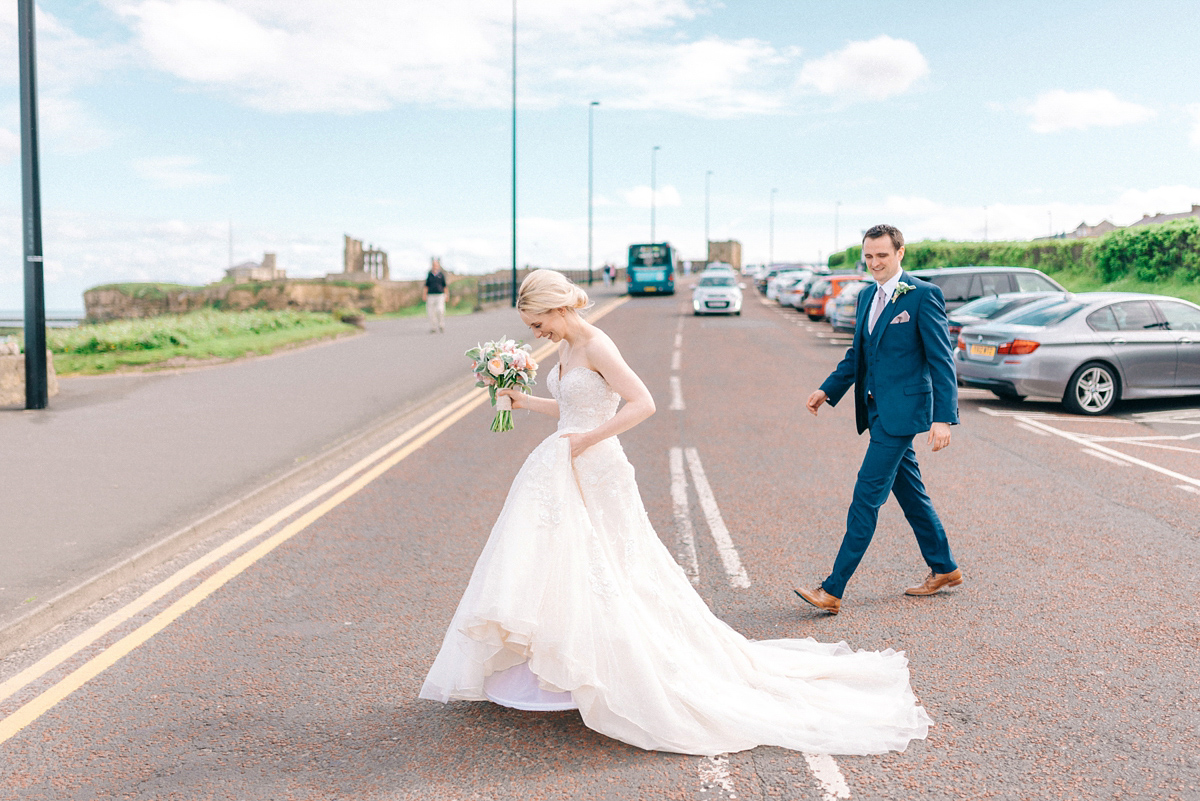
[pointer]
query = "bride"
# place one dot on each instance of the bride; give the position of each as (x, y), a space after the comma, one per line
(576, 604)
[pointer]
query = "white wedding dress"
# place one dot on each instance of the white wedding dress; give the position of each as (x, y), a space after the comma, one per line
(575, 603)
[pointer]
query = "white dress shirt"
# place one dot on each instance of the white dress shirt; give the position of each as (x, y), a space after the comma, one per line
(882, 295)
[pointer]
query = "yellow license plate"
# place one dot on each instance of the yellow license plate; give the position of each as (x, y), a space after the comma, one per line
(982, 352)
(651, 289)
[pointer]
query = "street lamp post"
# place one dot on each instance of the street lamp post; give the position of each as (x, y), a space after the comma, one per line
(36, 381)
(985, 224)
(707, 176)
(653, 189)
(514, 153)
(771, 238)
(591, 108)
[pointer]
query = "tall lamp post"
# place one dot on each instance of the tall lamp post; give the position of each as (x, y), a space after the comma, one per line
(591, 108)
(653, 189)
(771, 239)
(514, 154)
(36, 383)
(707, 176)
(985, 224)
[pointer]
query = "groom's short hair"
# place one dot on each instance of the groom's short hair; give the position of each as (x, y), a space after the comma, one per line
(890, 231)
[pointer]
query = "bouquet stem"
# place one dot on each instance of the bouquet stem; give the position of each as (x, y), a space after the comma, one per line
(503, 421)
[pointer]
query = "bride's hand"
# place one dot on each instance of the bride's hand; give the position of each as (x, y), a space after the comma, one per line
(580, 442)
(518, 397)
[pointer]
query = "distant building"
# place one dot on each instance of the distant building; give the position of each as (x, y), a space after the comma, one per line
(251, 271)
(729, 252)
(1162, 218)
(362, 264)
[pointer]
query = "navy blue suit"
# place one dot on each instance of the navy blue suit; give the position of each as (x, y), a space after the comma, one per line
(904, 381)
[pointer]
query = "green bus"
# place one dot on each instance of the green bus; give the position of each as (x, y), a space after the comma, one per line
(651, 269)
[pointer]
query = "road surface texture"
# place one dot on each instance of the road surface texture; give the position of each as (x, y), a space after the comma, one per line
(118, 464)
(281, 658)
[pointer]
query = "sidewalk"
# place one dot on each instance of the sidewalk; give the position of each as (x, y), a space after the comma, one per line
(119, 463)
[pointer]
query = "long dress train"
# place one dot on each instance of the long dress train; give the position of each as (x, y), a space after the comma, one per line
(576, 603)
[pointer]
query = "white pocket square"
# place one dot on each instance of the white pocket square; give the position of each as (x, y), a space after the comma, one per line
(902, 317)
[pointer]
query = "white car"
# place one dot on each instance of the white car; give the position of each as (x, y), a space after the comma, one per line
(717, 293)
(774, 281)
(719, 267)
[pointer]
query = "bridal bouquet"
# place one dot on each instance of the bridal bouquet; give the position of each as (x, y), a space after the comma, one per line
(503, 364)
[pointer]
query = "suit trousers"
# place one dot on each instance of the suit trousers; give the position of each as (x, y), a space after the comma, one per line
(890, 466)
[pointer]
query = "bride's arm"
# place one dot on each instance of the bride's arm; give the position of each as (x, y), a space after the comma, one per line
(522, 401)
(603, 355)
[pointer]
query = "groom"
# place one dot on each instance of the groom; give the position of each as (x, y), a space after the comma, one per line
(901, 365)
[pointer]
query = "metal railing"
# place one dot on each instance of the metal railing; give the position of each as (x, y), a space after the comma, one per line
(495, 290)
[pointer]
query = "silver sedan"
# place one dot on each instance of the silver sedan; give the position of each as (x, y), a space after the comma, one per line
(1091, 350)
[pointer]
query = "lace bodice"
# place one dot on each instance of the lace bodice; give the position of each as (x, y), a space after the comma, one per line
(585, 400)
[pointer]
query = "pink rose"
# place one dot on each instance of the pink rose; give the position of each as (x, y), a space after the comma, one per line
(496, 366)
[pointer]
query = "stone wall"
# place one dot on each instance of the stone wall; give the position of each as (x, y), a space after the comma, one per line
(376, 297)
(12, 379)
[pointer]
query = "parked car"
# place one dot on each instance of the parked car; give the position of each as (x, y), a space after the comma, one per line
(774, 281)
(793, 296)
(993, 307)
(717, 292)
(785, 285)
(843, 309)
(825, 290)
(961, 285)
(1091, 350)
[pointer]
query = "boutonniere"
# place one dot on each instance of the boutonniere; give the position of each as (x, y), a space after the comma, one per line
(901, 288)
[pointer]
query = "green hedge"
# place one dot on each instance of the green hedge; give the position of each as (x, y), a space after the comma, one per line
(1170, 251)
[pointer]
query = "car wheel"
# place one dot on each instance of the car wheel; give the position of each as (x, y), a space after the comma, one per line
(1011, 397)
(1093, 389)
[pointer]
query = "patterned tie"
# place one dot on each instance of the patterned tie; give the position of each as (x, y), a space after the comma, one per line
(877, 309)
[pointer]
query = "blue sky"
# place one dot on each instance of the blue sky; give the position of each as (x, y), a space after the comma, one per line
(163, 120)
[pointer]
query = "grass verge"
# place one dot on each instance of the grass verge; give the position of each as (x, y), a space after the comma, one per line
(1086, 281)
(179, 340)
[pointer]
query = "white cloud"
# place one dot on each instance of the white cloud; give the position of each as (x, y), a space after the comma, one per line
(1194, 136)
(176, 172)
(372, 54)
(1060, 110)
(876, 69)
(640, 197)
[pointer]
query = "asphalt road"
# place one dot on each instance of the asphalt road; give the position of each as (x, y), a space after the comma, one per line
(1064, 667)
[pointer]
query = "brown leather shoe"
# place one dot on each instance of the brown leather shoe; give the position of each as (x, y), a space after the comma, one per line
(821, 599)
(936, 583)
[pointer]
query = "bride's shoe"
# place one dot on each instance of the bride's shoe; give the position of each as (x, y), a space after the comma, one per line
(821, 599)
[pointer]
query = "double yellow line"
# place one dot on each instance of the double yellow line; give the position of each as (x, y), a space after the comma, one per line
(367, 470)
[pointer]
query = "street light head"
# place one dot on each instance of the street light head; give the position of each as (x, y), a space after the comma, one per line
(595, 103)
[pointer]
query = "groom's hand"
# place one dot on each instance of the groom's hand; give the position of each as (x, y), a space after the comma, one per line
(815, 400)
(939, 436)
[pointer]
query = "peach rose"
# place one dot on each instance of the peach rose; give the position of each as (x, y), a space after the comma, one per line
(496, 366)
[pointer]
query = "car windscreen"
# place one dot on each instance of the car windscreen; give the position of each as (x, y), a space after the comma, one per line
(984, 307)
(716, 280)
(1049, 314)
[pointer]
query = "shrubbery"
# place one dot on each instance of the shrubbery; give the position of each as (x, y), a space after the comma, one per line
(1170, 251)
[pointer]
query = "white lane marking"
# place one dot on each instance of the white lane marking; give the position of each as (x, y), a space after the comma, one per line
(684, 532)
(1078, 440)
(1104, 456)
(716, 524)
(1188, 488)
(676, 360)
(1048, 416)
(676, 395)
(829, 776)
(1028, 427)
(678, 340)
(714, 772)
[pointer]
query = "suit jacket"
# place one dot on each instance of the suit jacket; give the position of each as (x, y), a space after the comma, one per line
(906, 364)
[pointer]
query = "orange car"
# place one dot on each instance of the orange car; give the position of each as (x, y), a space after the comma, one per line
(824, 291)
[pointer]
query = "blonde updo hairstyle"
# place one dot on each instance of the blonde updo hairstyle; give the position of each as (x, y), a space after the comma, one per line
(546, 290)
